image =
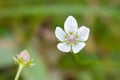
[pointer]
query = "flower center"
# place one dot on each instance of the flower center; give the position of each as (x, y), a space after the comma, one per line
(71, 38)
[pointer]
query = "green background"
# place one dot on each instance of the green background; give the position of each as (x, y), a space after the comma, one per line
(30, 24)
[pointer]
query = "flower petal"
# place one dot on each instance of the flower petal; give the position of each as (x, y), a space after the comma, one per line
(25, 55)
(78, 46)
(70, 25)
(64, 47)
(83, 33)
(60, 34)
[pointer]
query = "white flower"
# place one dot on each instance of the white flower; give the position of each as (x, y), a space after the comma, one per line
(73, 38)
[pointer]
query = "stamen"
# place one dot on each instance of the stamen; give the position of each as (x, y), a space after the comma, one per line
(71, 38)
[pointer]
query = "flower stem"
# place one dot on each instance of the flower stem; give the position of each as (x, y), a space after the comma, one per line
(19, 71)
(76, 58)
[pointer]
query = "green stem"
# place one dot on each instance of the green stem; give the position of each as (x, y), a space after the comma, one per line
(19, 71)
(76, 58)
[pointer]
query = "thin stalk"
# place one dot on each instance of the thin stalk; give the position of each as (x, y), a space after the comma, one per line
(19, 71)
(76, 58)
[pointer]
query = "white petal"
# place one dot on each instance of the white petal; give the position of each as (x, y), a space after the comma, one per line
(60, 34)
(70, 25)
(78, 46)
(83, 33)
(64, 47)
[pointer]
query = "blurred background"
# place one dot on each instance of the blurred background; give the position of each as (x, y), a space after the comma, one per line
(30, 24)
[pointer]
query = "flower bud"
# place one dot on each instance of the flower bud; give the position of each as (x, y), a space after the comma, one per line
(23, 58)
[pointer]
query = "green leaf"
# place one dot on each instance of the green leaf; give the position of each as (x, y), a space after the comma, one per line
(59, 9)
(36, 72)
